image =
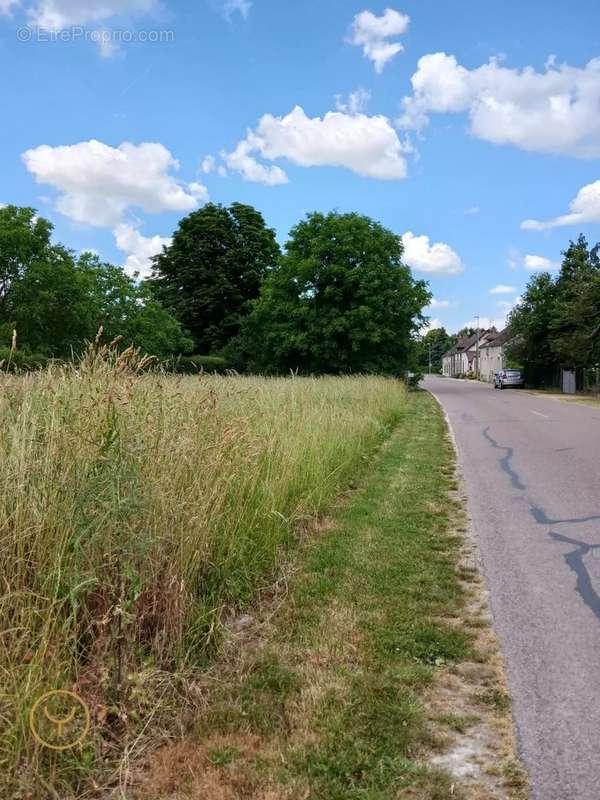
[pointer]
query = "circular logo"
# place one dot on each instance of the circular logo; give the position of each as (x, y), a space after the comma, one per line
(59, 720)
(24, 34)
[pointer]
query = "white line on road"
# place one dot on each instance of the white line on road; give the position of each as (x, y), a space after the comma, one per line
(539, 413)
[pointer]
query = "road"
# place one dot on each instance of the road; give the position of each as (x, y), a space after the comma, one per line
(532, 471)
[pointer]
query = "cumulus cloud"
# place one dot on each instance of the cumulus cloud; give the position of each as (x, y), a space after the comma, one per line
(435, 303)
(57, 15)
(540, 264)
(554, 111)
(368, 146)
(502, 288)
(584, 208)
(373, 34)
(438, 258)
(242, 161)
(140, 249)
(431, 325)
(6, 6)
(208, 165)
(98, 183)
(355, 104)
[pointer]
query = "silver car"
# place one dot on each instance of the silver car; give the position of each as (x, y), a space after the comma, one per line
(509, 378)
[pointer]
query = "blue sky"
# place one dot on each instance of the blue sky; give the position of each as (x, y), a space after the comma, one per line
(472, 129)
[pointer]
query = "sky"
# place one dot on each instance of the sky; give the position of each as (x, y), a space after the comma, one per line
(471, 129)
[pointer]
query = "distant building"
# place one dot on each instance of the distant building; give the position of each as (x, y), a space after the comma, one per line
(462, 358)
(492, 356)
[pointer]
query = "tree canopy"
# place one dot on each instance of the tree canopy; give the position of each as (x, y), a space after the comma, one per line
(437, 341)
(341, 301)
(213, 269)
(557, 322)
(57, 302)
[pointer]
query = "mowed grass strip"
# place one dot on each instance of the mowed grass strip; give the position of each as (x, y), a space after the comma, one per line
(326, 699)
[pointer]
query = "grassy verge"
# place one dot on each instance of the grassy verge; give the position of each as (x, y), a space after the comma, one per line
(375, 661)
(556, 394)
(137, 513)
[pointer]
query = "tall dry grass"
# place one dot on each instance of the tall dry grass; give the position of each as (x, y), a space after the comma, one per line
(136, 511)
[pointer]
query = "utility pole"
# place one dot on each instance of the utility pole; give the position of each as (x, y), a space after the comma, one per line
(477, 347)
(429, 343)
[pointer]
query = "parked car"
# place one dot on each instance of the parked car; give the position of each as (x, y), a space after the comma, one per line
(509, 378)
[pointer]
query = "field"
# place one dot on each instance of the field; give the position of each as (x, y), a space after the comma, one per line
(138, 514)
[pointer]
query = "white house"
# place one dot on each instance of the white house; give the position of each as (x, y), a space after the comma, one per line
(492, 357)
(462, 358)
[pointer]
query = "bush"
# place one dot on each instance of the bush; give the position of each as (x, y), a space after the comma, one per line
(18, 361)
(192, 365)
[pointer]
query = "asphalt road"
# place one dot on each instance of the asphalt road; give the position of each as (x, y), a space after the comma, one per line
(532, 471)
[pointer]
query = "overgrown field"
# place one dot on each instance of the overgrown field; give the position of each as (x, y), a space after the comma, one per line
(137, 513)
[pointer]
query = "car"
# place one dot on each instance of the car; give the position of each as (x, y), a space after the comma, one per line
(509, 378)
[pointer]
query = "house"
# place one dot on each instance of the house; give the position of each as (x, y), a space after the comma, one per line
(462, 358)
(492, 356)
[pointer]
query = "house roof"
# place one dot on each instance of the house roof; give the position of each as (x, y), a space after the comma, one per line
(487, 338)
(500, 339)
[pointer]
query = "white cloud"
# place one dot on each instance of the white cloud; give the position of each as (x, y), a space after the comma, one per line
(539, 264)
(6, 6)
(502, 288)
(60, 14)
(373, 34)
(229, 8)
(469, 212)
(514, 258)
(368, 146)
(241, 160)
(440, 303)
(555, 111)
(437, 258)
(506, 305)
(98, 183)
(355, 104)
(140, 249)
(431, 325)
(584, 208)
(208, 165)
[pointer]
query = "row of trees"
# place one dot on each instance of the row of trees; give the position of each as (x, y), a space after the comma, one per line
(557, 322)
(56, 302)
(337, 300)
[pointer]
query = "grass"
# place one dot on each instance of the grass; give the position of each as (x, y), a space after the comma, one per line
(138, 513)
(325, 696)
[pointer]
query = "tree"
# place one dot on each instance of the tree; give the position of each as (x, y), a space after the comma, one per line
(436, 341)
(342, 301)
(24, 239)
(529, 324)
(213, 269)
(130, 311)
(575, 336)
(57, 303)
(52, 305)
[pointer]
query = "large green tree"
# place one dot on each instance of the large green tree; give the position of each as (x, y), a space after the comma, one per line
(127, 309)
(529, 325)
(434, 343)
(213, 269)
(24, 239)
(57, 303)
(557, 322)
(342, 301)
(575, 335)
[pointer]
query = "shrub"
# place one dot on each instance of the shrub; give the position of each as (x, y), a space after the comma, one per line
(19, 361)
